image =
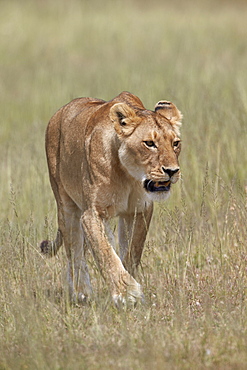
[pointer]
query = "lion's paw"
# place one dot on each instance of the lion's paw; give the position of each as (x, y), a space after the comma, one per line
(79, 299)
(130, 298)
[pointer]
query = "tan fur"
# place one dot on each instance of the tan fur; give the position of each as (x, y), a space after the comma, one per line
(106, 159)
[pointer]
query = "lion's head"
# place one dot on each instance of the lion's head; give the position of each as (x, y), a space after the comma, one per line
(149, 144)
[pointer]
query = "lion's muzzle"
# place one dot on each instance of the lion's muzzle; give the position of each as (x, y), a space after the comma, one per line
(153, 186)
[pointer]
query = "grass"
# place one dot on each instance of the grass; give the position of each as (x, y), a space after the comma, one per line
(195, 262)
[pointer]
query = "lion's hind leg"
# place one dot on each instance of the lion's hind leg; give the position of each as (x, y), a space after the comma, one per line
(80, 289)
(70, 234)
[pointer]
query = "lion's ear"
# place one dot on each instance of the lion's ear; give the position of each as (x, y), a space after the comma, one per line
(169, 111)
(124, 118)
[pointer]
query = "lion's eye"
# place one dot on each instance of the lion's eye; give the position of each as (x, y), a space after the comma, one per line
(176, 143)
(150, 143)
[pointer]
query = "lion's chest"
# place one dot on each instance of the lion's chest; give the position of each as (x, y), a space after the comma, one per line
(127, 202)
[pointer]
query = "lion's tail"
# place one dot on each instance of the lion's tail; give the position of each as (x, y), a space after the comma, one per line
(50, 248)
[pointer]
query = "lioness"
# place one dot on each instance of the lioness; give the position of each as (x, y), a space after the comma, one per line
(109, 159)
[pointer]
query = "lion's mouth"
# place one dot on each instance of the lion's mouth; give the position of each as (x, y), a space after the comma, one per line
(153, 186)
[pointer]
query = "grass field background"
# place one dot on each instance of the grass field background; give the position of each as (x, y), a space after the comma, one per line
(194, 268)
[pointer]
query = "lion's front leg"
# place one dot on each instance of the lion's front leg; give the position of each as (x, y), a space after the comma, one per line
(133, 230)
(123, 286)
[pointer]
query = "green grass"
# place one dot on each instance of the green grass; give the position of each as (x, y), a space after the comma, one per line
(194, 268)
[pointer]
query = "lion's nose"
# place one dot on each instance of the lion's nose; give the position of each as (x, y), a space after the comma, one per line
(170, 171)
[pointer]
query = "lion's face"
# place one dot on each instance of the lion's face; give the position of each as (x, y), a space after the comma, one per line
(149, 145)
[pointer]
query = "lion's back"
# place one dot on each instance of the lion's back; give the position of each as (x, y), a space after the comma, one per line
(64, 124)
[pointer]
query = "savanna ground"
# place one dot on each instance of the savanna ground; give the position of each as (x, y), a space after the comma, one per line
(195, 262)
